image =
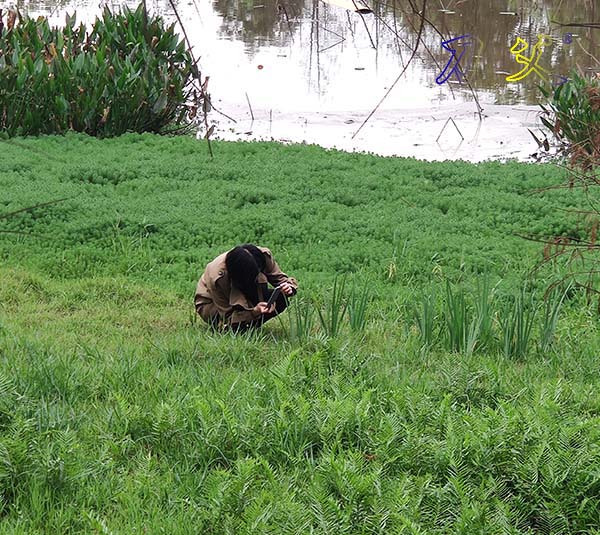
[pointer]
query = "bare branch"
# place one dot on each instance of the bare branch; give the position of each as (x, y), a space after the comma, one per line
(414, 52)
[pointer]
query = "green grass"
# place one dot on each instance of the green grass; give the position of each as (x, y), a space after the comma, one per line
(120, 412)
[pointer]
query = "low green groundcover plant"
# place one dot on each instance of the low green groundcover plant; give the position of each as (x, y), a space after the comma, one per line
(122, 413)
(129, 73)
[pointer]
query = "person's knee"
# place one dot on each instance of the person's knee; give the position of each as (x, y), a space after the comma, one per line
(213, 320)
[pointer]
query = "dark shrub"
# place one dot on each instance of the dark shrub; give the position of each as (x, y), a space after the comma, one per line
(128, 73)
(574, 117)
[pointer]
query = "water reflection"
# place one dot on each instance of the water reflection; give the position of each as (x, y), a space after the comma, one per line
(268, 22)
(319, 28)
(327, 43)
(293, 58)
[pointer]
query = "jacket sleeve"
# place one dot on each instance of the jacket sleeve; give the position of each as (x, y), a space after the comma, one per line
(274, 274)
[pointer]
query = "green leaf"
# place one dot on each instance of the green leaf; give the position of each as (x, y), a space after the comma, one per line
(160, 103)
(62, 105)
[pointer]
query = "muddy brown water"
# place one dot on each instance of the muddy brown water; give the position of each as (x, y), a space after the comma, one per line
(311, 71)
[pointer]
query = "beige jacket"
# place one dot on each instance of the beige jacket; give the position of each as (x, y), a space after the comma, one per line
(215, 295)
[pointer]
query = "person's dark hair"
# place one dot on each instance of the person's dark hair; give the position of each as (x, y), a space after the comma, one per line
(244, 263)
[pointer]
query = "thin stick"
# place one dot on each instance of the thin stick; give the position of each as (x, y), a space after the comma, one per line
(331, 31)
(427, 49)
(594, 25)
(367, 29)
(464, 76)
(287, 19)
(457, 129)
(398, 38)
(250, 106)
(10, 214)
(189, 44)
(414, 52)
(349, 23)
(331, 46)
(587, 52)
(197, 11)
(575, 242)
(196, 75)
(395, 31)
(209, 131)
(473, 93)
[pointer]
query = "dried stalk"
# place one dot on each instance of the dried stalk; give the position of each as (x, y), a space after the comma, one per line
(414, 52)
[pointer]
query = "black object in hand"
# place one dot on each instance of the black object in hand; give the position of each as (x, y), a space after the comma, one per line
(274, 297)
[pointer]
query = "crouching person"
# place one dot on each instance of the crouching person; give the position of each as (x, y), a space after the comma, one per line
(233, 290)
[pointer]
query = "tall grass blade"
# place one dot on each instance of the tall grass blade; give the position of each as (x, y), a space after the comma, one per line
(425, 317)
(357, 306)
(300, 319)
(517, 323)
(480, 334)
(456, 316)
(335, 309)
(552, 308)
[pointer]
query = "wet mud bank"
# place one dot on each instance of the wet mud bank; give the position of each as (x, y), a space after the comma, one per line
(452, 132)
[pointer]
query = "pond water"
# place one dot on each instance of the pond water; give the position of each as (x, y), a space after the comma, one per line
(313, 71)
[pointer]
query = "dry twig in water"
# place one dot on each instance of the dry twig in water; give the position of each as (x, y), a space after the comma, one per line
(414, 52)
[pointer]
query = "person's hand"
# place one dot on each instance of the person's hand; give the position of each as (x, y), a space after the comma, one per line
(262, 308)
(286, 288)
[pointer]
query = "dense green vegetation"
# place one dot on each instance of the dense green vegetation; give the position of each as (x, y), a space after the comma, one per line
(573, 116)
(121, 413)
(127, 74)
